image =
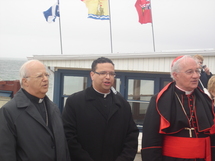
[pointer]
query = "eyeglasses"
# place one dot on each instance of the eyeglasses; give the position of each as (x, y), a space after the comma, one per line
(40, 76)
(191, 72)
(104, 74)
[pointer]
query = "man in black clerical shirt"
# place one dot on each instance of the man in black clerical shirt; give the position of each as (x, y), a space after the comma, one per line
(98, 122)
(30, 124)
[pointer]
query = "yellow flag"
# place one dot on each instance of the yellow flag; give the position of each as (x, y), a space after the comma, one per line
(97, 9)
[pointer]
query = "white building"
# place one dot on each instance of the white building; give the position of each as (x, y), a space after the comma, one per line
(138, 75)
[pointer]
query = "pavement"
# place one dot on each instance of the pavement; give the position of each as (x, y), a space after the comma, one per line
(138, 157)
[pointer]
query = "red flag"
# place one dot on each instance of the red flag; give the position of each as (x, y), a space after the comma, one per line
(144, 11)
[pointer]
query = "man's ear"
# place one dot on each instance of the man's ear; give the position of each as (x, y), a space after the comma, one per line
(175, 75)
(25, 82)
(92, 74)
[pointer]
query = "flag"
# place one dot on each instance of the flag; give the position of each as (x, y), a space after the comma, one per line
(52, 13)
(144, 11)
(97, 9)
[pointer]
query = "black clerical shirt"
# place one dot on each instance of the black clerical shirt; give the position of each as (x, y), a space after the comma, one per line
(106, 102)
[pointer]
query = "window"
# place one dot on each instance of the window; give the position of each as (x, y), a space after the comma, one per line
(139, 95)
(73, 84)
(67, 82)
(136, 88)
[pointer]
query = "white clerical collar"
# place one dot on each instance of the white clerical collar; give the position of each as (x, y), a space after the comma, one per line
(40, 100)
(105, 94)
(186, 92)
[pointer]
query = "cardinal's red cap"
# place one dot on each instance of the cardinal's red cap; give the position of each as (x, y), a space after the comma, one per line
(176, 60)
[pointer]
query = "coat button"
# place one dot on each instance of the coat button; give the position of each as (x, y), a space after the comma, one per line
(53, 147)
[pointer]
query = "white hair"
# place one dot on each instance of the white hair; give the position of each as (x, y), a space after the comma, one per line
(24, 72)
(176, 66)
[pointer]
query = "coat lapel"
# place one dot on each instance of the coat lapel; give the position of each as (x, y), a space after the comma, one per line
(53, 117)
(115, 107)
(34, 113)
(24, 102)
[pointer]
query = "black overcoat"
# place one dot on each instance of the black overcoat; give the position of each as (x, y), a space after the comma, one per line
(92, 137)
(24, 135)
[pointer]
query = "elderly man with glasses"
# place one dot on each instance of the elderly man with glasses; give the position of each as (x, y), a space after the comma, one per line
(179, 123)
(31, 128)
(98, 121)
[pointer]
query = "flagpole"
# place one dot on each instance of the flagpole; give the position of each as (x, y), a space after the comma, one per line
(61, 44)
(153, 37)
(110, 27)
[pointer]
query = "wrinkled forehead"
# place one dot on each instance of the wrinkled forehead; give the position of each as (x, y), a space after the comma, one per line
(189, 63)
(36, 68)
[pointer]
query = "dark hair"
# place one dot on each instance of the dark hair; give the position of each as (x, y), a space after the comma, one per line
(100, 60)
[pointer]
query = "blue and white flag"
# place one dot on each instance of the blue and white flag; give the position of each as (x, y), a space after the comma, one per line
(52, 13)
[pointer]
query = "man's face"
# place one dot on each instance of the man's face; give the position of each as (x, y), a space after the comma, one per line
(37, 82)
(103, 77)
(200, 62)
(188, 77)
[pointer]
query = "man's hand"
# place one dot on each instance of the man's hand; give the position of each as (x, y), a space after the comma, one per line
(207, 70)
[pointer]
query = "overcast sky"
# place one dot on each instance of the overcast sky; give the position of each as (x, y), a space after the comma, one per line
(178, 25)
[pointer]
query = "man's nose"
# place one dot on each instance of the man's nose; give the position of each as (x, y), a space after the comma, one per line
(196, 74)
(45, 77)
(107, 75)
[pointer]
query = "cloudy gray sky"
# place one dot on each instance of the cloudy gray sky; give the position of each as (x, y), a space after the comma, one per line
(178, 25)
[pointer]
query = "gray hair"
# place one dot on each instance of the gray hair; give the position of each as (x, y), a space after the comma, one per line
(24, 72)
(176, 66)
